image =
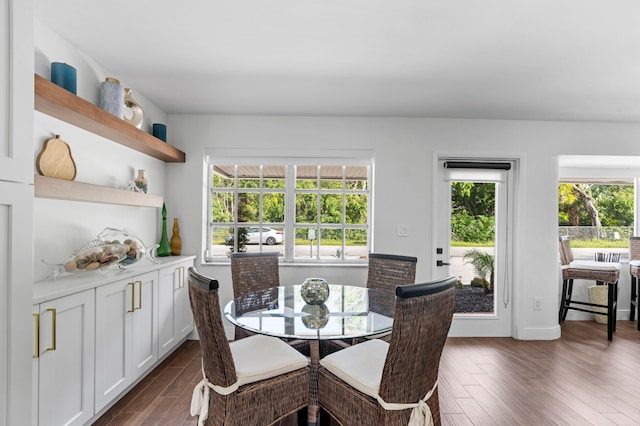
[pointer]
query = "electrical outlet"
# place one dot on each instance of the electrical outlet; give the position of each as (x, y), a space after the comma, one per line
(537, 303)
(403, 230)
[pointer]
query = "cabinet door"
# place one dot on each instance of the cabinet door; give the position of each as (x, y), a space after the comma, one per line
(126, 324)
(145, 323)
(66, 354)
(173, 307)
(183, 316)
(16, 91)
(35, 364)
(115, 304)
(16, 297)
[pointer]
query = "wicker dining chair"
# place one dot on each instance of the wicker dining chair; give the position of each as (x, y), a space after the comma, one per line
(634, 270)
(385, 272)
(380, 383)
(256, 380)
(600, 272)
(254, 273)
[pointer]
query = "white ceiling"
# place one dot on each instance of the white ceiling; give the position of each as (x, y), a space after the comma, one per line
(505, 59)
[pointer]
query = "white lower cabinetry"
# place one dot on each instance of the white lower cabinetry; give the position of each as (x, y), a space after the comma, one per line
(63, 360)
(126, 342)
(176, 321)
(95, 339)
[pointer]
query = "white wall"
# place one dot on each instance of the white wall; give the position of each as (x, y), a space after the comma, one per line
(405, 149)
(404, 152)
(60, 227)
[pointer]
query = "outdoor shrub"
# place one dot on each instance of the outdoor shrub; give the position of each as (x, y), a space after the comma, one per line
(479, 282)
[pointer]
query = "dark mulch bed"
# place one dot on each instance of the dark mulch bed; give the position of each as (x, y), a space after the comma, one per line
(473, 299)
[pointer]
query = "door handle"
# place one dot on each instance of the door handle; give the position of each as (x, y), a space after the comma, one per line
(441, 263)
(133, 297)
(139, 282)
(53, 330)
(37, 335)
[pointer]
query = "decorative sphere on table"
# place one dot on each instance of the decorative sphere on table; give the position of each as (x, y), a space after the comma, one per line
(315, 291)
(317, 316)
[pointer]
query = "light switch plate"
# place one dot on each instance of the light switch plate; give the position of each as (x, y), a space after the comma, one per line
(403, 230)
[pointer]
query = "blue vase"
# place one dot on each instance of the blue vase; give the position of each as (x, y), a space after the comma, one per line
(64, 75)
(160, 131)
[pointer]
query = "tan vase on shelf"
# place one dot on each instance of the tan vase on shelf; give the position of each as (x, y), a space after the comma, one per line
(176, 242)
(133, 112)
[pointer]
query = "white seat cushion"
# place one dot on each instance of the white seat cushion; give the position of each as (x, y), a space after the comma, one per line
(593, 265)
(634, 263)
(359, 365)
(261, 357)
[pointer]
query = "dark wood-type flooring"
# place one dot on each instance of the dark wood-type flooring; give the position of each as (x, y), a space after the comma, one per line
(580, 379)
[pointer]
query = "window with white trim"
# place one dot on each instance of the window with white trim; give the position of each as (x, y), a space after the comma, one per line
(306, 209)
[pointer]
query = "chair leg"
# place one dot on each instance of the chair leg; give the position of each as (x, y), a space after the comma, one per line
(610, 311)
(568, 284)
(634, 294)
(615, 305)
(563, 300)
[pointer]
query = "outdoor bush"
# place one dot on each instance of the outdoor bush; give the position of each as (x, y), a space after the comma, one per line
(479, 282)
(465, 227)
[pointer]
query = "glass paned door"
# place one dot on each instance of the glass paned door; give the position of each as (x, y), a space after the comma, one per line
(472, 244)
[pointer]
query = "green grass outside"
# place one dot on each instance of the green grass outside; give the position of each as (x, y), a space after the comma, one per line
(471, 244)
(600, 243)
(622, 243)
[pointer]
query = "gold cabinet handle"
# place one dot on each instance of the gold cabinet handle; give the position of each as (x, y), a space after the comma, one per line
(53, 329)
(181, 277)
(139, 295)
(37, 335)
(133, 297)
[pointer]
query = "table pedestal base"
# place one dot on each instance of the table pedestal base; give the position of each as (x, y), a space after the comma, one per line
(313, 409)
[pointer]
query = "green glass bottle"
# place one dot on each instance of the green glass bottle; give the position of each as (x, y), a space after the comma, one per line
(164, 249)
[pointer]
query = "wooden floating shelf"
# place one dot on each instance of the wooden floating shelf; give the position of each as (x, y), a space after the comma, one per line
(60, 189)
(57, 102)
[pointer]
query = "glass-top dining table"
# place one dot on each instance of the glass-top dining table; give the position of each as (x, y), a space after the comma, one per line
(349, 312)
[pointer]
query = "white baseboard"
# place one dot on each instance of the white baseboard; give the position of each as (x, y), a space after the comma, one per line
(547, 333)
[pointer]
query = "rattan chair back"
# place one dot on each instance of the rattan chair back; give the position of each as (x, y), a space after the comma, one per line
(387, 271)
(251, 273)
(205, 305)
(264, 402)
(254, 271)
(421, 323)
(422, 318)
(634, 248)
(566, 255)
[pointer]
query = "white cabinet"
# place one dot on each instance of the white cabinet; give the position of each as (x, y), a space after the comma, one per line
(176, 321)
(63, 363)
(96, 337)
(126, 330)
(16, 210)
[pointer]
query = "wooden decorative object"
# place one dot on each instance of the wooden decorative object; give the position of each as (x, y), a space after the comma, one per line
(55, 160)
